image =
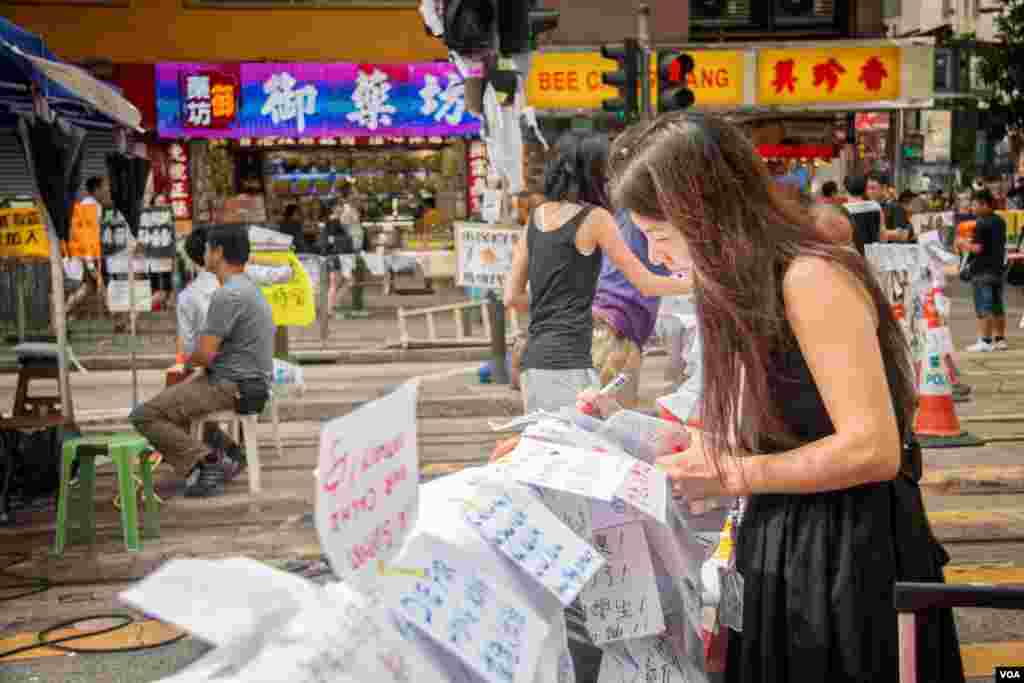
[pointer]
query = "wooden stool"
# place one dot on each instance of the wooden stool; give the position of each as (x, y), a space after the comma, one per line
(33, 405)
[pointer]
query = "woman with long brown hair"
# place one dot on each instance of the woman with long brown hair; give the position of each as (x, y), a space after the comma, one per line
(807, 409)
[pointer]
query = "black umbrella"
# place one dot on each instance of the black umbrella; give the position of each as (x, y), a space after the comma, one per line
(128, 176)
(53, 151)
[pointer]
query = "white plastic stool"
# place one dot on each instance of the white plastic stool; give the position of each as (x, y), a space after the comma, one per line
(252, 448)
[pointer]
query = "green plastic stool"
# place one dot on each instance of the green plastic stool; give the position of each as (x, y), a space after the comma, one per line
(124, 449)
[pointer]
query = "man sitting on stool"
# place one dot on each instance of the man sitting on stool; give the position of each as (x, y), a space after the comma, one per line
(236, 350)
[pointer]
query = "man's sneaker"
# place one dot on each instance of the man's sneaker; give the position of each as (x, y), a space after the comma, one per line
(206, 479)
(233, 462)
(1001, 345)
(980, 346)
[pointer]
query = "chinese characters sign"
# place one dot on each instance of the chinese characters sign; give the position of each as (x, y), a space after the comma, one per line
(22, 234)
(818, 75)
(181, 189)
(484, 254)
(311, 100)
(210, 101)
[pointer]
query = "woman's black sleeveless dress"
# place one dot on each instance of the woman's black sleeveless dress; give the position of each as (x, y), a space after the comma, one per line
(819, 569)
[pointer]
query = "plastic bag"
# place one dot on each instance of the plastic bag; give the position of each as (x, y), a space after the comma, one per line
(288, 378)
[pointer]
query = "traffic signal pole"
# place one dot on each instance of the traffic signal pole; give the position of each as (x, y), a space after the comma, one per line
(643, 37)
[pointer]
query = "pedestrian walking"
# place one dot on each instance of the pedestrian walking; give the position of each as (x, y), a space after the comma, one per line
(799, 332)
(567, 237)
(987, 263)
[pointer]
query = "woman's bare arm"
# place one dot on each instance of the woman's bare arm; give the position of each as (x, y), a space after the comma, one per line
(835, 325)
(604, 233)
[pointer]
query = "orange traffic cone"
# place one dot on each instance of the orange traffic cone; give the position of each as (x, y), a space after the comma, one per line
(936, 424)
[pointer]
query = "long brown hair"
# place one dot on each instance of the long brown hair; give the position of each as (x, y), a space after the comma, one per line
(703, 176)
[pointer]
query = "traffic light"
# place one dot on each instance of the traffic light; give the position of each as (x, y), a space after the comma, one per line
(519, 24)
(626, 78)
(674, 69)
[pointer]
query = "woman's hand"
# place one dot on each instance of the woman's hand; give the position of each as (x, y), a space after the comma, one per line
(592, 402)
(503, 448)
(693, 474)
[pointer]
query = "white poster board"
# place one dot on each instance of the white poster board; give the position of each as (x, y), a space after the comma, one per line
(367, 493)
(484, 254)
(119, 296)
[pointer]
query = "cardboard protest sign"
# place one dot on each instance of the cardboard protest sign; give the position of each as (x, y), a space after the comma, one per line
(534, 539)
(22, 234)
(367, 495)
(622, 601)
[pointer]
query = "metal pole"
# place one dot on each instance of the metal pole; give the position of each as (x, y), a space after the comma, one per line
(643, 36)
(498, 350)
(896, 123)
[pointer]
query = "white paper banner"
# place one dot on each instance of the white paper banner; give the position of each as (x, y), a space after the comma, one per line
(367, 492)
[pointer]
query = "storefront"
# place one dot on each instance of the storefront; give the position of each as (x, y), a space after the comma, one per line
(394, 141)
(771, 89)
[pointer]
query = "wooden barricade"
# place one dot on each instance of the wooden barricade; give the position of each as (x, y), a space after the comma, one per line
(463, 334)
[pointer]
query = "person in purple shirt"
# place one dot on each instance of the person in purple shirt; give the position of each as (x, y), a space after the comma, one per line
(624, 318)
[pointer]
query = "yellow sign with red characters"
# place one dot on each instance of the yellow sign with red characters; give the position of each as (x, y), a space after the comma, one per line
(798, 76)
(572, 80)
(22, 234)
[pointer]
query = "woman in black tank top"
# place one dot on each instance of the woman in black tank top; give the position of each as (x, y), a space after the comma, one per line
(798, 332)
(560, 259)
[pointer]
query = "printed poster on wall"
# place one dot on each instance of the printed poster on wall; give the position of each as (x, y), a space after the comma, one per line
(484, 254)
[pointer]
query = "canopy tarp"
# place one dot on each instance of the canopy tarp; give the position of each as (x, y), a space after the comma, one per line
(70, 91)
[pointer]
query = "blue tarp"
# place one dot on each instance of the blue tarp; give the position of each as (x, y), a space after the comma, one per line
(17, 73)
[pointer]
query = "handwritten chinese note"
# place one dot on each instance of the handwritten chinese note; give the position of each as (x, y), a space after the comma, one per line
(658, 662)
(565, 468)
(489, 628)
(367, 493)
(611, 514)
(534, 539)
(622, 602)
(572, 511)
(646, 489)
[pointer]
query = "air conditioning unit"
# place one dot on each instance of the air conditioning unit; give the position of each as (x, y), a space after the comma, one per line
(991, 6)
(798, 13)
(718, 13)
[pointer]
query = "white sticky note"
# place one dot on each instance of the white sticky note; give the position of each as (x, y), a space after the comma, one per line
(605, 515)
(564, 468)
(527, 533)
(572, 511)
(657, 662)
(622, 602)
(367, 492)
(487, 626)
(646, 489)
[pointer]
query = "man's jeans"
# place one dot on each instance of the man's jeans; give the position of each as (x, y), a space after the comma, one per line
(166, 418)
